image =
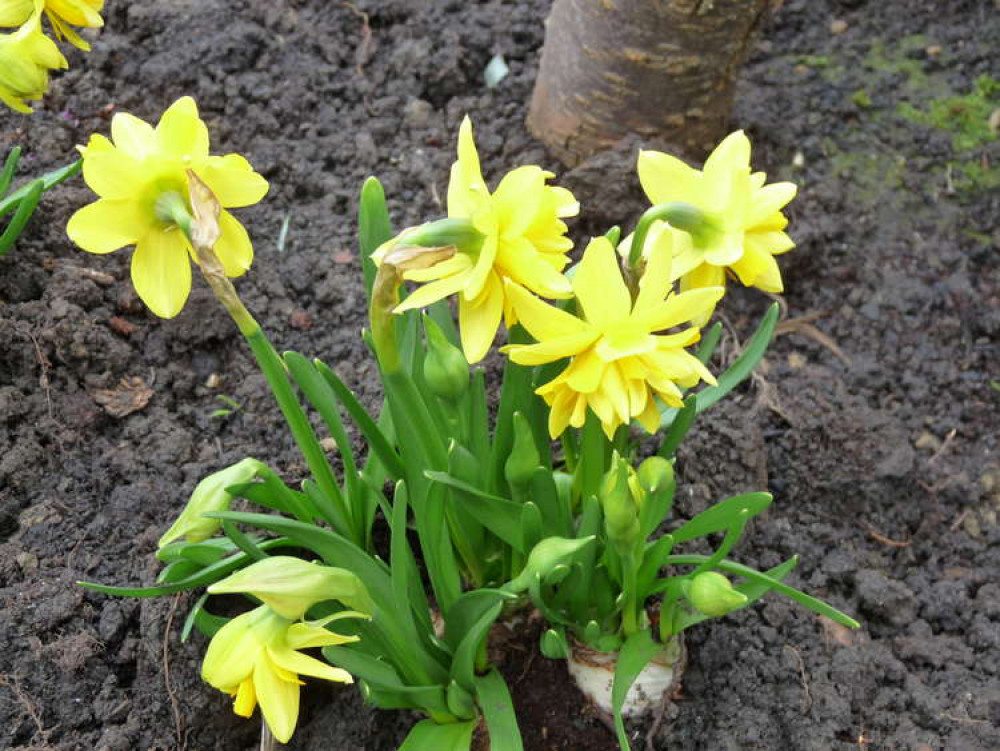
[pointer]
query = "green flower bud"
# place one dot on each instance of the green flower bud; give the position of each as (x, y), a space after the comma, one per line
(712, 594)
(524, 458)
(544, 557)
(290, 586)
(621, 505)
(656, 478)
(209, 495)
(446, 370)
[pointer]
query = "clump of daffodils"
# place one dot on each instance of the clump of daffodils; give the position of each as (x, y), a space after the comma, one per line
(27, 55)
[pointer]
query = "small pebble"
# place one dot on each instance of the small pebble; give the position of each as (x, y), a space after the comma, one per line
(838, 26)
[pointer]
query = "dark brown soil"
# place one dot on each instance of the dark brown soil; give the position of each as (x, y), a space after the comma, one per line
(874, 425)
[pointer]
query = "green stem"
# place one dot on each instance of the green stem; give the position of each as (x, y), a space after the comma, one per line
(630, 615)
(678, 214)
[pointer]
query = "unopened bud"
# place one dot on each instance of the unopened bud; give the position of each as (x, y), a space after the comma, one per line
(712, 594)
(290, 586)
(446, 370)
(621, 507)
(524, 458)
(208, 496)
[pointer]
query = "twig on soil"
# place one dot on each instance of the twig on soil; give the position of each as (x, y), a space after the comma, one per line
(885, 540)
(179, 731)
(973, 720)
(958, 521)
(363, 53)
(28, 706)
(944, 446)
(44, 365)
(807, 699)
(803, 326)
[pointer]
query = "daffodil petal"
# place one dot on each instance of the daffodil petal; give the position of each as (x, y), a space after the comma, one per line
(233, 180)
(279, 700)
(133, 136)
(666, 178)
(108, 171)
(302, 664)
(108, 224)
(683, 307)
(758, 268)
(181, 132)
(161, 271)
(466, 175)
(234, 248)
(479, 321)
(433, 291)
(246, 699)
(543, 321)
(551, 350)
(599, 286)
(768, 200)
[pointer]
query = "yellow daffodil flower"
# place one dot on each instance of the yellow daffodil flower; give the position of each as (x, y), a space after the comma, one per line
(618, 361)
(744, 213)
(523, 239)
(26, 57)
(62, 14)
(255, 658)
(136, 174)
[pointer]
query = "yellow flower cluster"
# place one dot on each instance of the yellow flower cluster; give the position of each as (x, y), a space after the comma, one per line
(620, 351)
(27, 55)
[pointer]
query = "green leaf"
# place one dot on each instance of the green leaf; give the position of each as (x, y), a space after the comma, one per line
(709, 341)
(463, 664)
(721, 516)
(9, 167)
(25, 208)
(555, 513)
(427, 735)
(204, 577)
(374, 227)
(467, 610)
(501, 516)
(679, 428)
(636, 653)
(461, 703)
(554, 645)
(498, 709)
(243, 542)
(738, 371)
(731, 567)
(206, 623)
(376, 439)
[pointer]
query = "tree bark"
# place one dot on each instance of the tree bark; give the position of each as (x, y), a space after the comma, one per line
(656, 68)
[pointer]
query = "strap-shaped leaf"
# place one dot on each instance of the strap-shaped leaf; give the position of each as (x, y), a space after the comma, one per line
(25, 208)
(738, 371)
(498, 709)
(9, 167)
(679, 428)
(636, 653)
(463, 664)
(721, 516)
(428, 735)
(467, 610)
(499, 515)
(374, 227)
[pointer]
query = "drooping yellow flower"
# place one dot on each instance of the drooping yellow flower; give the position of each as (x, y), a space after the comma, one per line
(26, 57)
(745, 214)
(619, 363)
(255, 658)
(62, 14)
(136, 175)
(524, 240)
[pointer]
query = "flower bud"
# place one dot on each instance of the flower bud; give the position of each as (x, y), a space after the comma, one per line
(712, 594)
(209, 495)
(524, 459)
(290, 586)
(446, 370)
(621, 505)
(544, 557)
(26, 56)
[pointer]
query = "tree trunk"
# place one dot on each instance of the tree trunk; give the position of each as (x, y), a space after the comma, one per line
(656, 68)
